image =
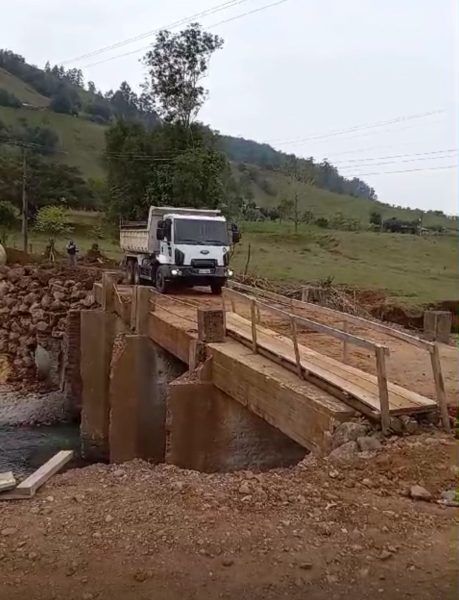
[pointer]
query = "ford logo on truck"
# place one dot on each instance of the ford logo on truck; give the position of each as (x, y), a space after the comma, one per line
(204, 251)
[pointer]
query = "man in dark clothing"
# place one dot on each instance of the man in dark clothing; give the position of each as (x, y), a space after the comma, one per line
(72, 251)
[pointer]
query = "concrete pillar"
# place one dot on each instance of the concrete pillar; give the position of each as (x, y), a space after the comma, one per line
(71, 370)
(211, 325)
(97, 333)
(139, 376)
(437, 325)
(210, 432)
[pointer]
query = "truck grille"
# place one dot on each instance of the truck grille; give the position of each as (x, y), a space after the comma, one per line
(203, 263)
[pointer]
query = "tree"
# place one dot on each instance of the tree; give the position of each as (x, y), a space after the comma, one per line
(286, 208)
(92, 87)
(8, 219)
(176, 65)
(52, 220)
(376, 219)
(139, 174)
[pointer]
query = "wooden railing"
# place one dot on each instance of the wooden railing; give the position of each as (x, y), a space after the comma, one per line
(380, 351)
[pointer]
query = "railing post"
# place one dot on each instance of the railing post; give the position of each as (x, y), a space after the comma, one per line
(296, 347)
(383, 390)
(440, 387)
(345, 344)
(253, 318)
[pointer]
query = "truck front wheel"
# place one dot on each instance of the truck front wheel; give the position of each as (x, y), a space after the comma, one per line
(216, 287)
(160, 282)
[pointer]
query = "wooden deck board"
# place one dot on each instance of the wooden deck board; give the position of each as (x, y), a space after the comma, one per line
(362, 386)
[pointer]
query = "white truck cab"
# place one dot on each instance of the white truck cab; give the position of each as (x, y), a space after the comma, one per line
(179, 246)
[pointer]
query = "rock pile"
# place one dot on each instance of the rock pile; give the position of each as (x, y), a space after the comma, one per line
(34, 302)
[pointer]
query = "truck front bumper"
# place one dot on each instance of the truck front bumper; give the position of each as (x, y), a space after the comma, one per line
(206, 275)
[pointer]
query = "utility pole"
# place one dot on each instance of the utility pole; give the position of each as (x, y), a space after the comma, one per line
(25, 206)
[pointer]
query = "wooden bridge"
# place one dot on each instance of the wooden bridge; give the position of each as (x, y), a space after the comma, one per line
(224, 346)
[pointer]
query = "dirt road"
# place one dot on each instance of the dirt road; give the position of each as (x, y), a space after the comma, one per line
(316, 531)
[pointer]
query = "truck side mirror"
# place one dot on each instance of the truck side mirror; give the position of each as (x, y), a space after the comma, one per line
(167, 228)
(160, 231)
(236, 234)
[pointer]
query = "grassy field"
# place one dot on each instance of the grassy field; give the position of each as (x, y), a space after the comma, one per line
(411, 270)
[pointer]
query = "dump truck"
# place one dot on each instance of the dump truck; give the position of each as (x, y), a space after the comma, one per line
(178, 247)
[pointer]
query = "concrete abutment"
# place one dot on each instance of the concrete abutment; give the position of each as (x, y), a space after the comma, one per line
(140, 401)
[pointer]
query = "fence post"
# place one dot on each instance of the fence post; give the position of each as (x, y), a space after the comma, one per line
(440, 387)
(383, 390)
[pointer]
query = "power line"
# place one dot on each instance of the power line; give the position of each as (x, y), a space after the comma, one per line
(357, 128)
(141, 36)
(240, 16)
(439, 168)
(422, 156)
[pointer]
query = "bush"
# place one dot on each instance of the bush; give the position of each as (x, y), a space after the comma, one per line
(8, 99)
(321, 222)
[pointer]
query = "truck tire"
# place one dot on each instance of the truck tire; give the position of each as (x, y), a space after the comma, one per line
(136, 273)
(161, 284)
(130, 266)
(216, 287)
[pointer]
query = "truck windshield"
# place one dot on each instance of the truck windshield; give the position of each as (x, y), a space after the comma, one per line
(205, 232)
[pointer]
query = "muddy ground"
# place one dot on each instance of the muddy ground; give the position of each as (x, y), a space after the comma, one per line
(319, 531)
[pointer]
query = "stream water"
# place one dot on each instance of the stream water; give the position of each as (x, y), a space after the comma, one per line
(24, 449)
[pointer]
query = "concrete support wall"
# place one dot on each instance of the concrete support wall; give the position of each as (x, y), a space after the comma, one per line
(209, 431)
(97, 334)
(72, 385)
(139, 376)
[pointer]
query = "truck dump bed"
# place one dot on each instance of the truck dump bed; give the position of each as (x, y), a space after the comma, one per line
(140, 236)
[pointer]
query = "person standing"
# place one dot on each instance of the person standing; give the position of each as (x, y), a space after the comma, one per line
(72, 251)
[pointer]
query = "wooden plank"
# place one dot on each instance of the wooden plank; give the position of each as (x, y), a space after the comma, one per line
(108, 291)
(28, 487)
(363, 386)
(440, 388)
(298, 409)
(360, 321)
(383, 391)
(400, 397)
(314, 325)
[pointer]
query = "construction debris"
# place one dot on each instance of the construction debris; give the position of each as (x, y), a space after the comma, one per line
(28, 487)
(7, 481)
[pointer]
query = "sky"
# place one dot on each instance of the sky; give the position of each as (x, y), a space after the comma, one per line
(371, 85)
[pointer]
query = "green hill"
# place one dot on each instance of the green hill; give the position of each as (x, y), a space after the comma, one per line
(82, 143)
(23, 92)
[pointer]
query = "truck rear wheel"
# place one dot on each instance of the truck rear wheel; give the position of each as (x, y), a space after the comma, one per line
(160, 282)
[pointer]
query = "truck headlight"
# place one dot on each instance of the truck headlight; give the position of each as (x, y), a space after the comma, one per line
(229, 272)
(174, 272)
